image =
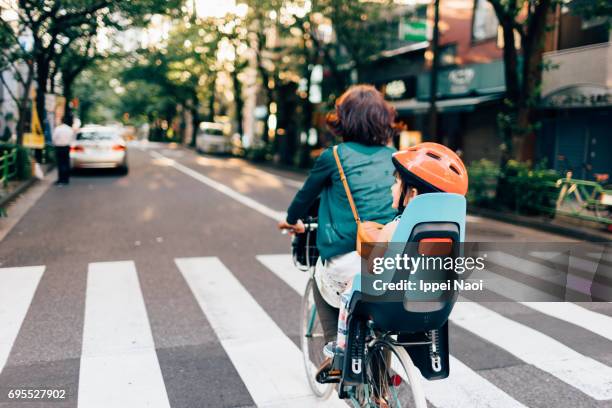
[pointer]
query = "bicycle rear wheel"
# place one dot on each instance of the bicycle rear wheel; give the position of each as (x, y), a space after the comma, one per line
(312, 342)
(392, 380)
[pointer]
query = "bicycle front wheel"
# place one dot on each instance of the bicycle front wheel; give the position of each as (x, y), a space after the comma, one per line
(312, 342)
(391, 379)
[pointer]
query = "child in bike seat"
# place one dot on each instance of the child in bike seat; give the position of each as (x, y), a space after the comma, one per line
(422, 169)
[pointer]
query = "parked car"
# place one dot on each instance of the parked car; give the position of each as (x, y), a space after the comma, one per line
(99, 147)
(212, 138)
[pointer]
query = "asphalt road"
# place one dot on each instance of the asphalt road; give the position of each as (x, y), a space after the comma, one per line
(158, 289)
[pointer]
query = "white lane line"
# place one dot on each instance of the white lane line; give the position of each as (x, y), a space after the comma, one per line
(222, 188)
(119, 366)
(572, 313)
(579, 371)
(17, 287)
(268, 362)
(537, 270)
(463, 388)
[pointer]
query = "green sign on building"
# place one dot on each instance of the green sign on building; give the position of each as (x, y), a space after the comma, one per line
(413, 30)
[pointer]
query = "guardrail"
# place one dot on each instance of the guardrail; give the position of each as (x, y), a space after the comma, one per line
(587, 200)
(8, 167)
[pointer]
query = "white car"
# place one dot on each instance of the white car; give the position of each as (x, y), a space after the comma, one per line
(99, 147)
(212, 138)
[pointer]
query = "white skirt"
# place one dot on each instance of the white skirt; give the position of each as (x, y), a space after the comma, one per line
(335, 275)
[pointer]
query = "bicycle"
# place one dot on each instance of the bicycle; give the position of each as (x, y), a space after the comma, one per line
(383, 356)
(387, 343)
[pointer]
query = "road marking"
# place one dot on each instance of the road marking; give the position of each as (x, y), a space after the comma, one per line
(576, 315)
(268, 362)
(463, 388)
(17, 288)
(282, 266)
(575, 262)
(222, 188)
(537, 270)
(604, 254)
(119, 366)
(579, 371)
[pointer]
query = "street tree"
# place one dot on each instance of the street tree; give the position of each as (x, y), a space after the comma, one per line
(54, 25)
(524, 26)
(16, 63)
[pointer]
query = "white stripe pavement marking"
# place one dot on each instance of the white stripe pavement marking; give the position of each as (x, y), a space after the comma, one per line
(119, 366)
(268, 362)
(463, 388)
(582, 372)
(607, 256)
(17, 287)
(537, 270)
(241, 198)
(576, 315)
(575, 262)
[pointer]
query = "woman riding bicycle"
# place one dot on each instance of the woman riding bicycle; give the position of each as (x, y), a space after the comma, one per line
(366, 124)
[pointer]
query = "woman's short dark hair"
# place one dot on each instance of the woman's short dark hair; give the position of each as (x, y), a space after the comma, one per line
(362, 115)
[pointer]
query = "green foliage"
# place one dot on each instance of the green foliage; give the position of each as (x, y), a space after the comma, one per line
(483, 176)
(260, 152)
(518, 187)
(528, 190)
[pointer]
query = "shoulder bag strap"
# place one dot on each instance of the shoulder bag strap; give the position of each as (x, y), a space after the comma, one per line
(346, 186)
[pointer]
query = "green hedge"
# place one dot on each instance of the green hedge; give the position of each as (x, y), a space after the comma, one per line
(518, 187)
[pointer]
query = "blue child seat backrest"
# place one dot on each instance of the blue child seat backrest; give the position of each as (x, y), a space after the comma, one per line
(434, 207)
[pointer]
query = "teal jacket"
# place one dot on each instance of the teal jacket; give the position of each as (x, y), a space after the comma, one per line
(369, 172)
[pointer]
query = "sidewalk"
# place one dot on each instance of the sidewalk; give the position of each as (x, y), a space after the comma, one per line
(16, 188)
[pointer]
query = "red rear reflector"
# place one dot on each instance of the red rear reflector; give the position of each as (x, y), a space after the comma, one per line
(77, 149)
(395, 380)
(118, 147)
(435, 246)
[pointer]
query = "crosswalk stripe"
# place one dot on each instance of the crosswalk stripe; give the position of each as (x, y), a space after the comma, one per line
(540, 271)
(17, 287)
(605, 255)
(582, 372)
(268, 362)
(119, 366)
(463, 388)
(575, 262)
(576, 315)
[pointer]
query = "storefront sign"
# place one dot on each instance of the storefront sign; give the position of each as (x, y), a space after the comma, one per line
(413, 30)
(579, 96)
(461, 79)
(395, 89)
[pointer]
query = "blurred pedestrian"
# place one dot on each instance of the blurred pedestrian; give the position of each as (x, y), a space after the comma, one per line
(63, 136)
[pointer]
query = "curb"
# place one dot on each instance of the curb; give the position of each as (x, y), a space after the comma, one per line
(4, 201)
(543, 225)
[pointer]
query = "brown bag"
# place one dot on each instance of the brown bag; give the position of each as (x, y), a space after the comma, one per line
(367, 231)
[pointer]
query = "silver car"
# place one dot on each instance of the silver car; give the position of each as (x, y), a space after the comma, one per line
(99, 147)
(212, 138)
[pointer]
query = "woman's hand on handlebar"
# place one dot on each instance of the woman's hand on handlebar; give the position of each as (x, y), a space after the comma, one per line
(297, 228)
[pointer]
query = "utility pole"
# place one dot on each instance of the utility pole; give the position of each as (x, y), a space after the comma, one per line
(433, 80)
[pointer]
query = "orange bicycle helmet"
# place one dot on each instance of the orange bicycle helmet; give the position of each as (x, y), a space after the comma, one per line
(432, 167)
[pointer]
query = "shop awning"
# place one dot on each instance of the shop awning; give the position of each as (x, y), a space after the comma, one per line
(469, 104)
